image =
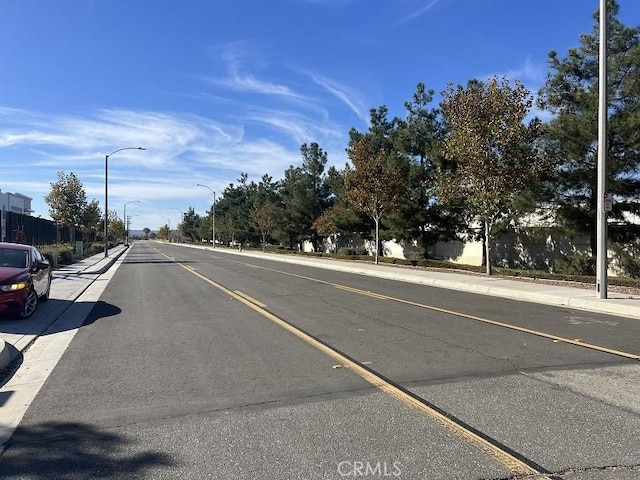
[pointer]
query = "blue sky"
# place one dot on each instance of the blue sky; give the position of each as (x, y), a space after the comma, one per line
(213, 88)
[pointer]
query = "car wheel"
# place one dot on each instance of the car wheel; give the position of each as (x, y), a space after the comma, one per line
(30, 305)
(45, 295)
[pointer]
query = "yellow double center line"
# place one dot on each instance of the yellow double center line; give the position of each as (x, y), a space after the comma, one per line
(556, 338)
(513, 462)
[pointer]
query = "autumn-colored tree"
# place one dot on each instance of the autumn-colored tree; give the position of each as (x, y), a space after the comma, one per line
(490, 154)
(374, 184)
(264, 219)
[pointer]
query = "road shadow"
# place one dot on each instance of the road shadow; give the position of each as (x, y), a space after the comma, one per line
(68, 315)
(45, 314)
(154, 262)
(149, 258)
(74, 450)
(99, 311)
(47, 318)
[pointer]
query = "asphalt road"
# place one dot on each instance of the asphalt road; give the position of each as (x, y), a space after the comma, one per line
(202, 364)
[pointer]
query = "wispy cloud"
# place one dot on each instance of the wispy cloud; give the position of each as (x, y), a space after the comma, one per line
(78, 138)
(248, 83)
(260, 135)
(298, 127)
(417, 13)
(234, 56)
(529, 73)
(344, 94)
(182, 150)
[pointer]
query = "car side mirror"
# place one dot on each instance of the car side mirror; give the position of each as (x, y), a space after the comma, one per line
(43, 265)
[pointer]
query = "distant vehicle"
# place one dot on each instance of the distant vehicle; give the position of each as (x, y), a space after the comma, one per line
(25, 279)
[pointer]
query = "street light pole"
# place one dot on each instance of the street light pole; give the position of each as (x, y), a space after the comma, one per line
(106, 195)
(181, 224)
(601, 229)
(213, 214)
(126, 225)
(128, 220)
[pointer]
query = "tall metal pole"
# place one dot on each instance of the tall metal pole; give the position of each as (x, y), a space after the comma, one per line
(106, 204)
(213, 221)
(106, 195)
(213, 214)
(126, 225)
(181, 223)
(601, 230)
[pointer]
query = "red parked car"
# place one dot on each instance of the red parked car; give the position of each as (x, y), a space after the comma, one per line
(25, 279)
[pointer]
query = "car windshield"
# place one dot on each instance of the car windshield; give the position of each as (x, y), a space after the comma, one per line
(13, 258)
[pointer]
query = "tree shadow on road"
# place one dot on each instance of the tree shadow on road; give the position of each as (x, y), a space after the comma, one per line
(102, 310)
(41, 324)
(72, 450)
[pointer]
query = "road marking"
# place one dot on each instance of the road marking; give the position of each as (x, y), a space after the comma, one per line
(574, 320)
(517, 464)
(555, 338)
(361, 292)
(252, 300)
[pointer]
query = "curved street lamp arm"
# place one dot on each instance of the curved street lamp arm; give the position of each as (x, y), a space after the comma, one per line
(106, 195)
(125, 148)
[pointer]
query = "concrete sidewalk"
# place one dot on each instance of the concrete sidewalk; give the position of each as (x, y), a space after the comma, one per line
(68, 284)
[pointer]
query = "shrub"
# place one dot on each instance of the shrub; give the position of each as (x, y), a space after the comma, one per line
(65, 255)
(576, 264)
(59, 254)
(94, 248)
(357, 251)
(631, 267)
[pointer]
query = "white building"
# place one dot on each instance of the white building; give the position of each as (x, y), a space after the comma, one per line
(12, 202)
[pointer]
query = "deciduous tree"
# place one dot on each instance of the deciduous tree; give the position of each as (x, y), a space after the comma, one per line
(490, 154)
(264, 219)
(91, 219)
(374, 184)
(67, 202)
(115, 227)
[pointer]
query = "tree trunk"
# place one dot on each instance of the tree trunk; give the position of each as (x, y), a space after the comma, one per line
(487, 244)
(377, 220)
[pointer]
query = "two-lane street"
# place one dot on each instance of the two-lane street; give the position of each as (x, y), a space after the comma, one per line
(201, 363)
